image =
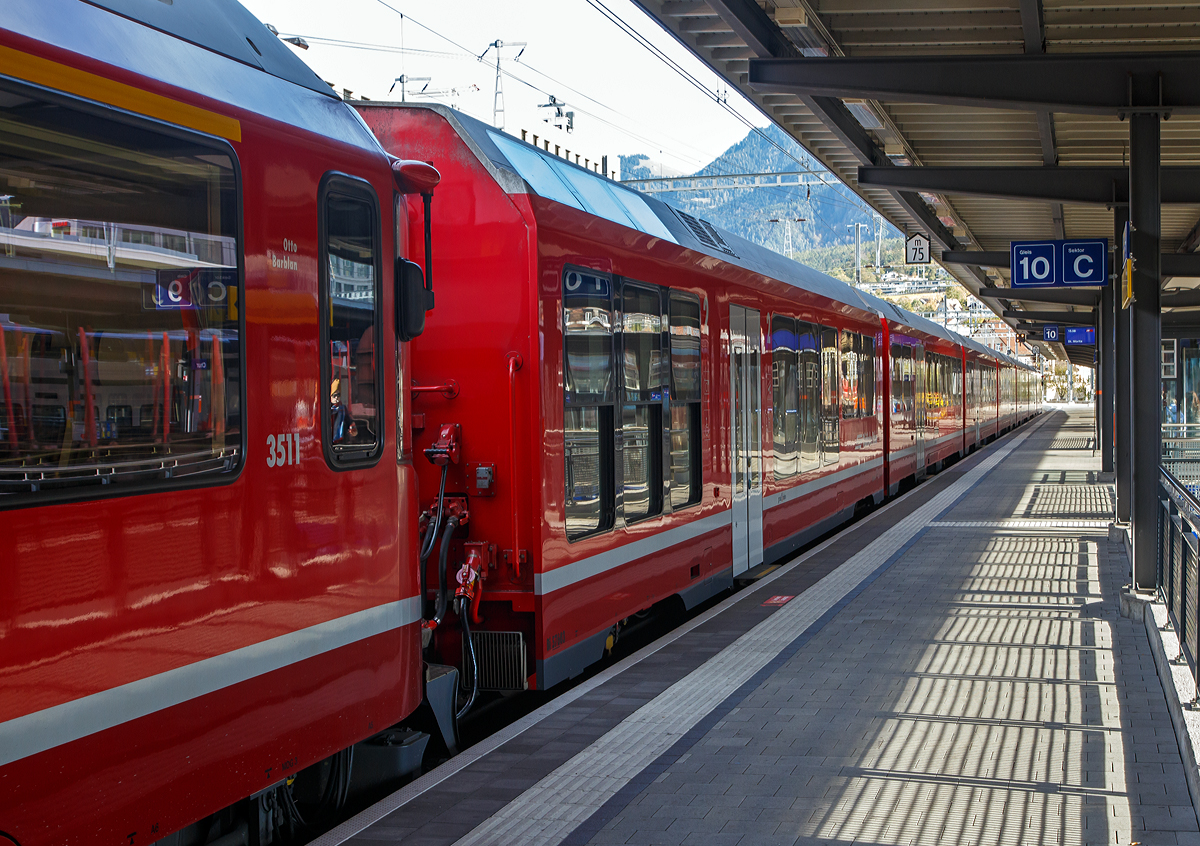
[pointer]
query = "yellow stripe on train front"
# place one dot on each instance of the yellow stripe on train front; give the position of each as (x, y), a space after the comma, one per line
(70, 80)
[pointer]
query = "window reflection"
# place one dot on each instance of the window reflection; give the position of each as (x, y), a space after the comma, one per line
(588, 396)
(641, 413)
(119, 343)
(785, 386)
(636, 458)
(684, 336)
(585, 488)
(351, 253)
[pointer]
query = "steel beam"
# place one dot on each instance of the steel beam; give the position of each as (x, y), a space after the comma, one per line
(1108, 376)
(1182, 299)
(1065, 296)
(1066, 318)
(1145, 213)
(751, 23)
(1100, 185)
(1170, 264)
(1123, 408)
(990, 258)
(1077, 83)
(1179, 264)
(748, 19)
(1033, 27)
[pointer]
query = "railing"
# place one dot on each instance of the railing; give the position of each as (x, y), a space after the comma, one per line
(1179, 564)
(1181, 454)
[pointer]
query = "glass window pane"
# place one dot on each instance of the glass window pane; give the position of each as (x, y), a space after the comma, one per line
(644, 219)
(1191, 386)
(581, 444)
(849, 380)
(637, 431)
(809, 367)
(685, 349)
(536, 170)
(588, 329)
(352, 249)
(119, 290)
(866, 379)
(785, 422)
(594, 192)
(642, 344)
(830, 384)
(685, 454)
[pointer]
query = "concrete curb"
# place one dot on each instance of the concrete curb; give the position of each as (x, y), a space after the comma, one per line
(1176, 679)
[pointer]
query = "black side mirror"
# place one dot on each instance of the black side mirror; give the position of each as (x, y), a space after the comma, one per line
(412, 300)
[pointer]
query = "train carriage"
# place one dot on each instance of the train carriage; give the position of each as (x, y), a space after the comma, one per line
(207, 586)
(643, 407)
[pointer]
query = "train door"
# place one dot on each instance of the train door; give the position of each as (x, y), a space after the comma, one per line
(920, 418)
(745, 362)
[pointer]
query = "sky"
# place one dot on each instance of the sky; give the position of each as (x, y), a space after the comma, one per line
(626, 98)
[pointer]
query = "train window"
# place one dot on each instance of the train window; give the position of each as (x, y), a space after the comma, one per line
(588, 395)
(848, 383)
(119, 288)
(866, 376)
(858, 376)
(830, 382)
(808, 353)
(643, 381)
(785, 388)
(684, 325)
(350, 321)
(903, 393)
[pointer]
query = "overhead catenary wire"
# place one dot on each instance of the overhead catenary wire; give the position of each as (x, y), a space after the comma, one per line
(837, 195)
(648, 45)
(683, 72)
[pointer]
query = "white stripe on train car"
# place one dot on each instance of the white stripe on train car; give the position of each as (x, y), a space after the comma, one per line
(33, 733)
(821, 483)
(610, 559)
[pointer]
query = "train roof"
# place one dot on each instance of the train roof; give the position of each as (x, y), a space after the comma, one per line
(214, 48)
(558, 179)
(225, 27)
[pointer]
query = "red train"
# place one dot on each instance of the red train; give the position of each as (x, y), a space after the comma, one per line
(642, 406)
(209, 577)
(212, 595)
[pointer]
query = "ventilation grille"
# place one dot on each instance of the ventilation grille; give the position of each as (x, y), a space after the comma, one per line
(705, 232)
(501, 657)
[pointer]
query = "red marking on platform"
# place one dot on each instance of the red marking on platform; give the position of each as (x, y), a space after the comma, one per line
(779, 600)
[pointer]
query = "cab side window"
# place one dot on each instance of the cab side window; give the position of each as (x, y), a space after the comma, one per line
(350, 321)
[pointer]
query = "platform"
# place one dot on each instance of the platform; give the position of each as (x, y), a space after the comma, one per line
(951, 670)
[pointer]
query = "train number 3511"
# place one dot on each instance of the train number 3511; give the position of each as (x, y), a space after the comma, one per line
(283, 449)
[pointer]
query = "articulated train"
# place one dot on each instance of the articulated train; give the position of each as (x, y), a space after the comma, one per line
(258, 496)
(643, 406)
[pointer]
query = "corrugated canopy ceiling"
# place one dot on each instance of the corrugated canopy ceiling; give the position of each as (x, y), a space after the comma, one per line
(845, 133)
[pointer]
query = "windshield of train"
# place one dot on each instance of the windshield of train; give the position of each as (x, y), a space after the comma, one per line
(119, 348)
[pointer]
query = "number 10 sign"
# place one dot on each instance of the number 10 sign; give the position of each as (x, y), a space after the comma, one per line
(1049, 264)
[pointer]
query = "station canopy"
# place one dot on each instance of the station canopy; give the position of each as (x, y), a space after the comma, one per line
(916, 105)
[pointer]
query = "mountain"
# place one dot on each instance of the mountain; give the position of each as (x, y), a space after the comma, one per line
(829, 209)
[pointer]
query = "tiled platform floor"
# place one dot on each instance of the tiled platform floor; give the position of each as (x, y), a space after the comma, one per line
(953, 670)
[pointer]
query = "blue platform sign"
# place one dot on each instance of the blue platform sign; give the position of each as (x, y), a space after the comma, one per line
(1050, 334)
(1054, 264)
(1080, 336)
